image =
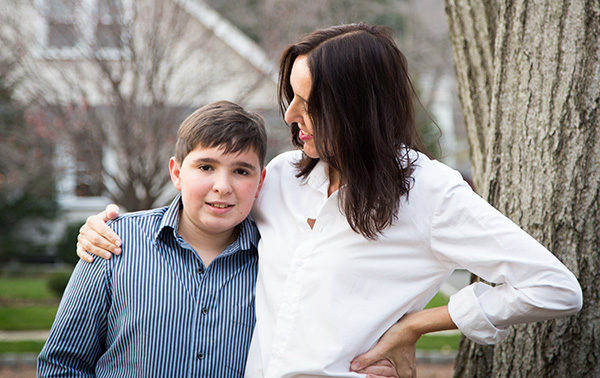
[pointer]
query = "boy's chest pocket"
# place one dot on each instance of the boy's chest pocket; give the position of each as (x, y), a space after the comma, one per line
(242, 316)
(242, 321)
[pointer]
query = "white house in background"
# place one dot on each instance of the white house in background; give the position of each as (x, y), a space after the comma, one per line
(230, 66)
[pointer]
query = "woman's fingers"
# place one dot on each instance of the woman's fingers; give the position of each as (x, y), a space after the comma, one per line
(111, 212)
(83, 254)
(97, 238)
(97, 232)
(379, 369)
(94, 245)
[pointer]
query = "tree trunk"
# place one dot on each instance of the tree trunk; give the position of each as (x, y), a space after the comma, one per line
(529, 82)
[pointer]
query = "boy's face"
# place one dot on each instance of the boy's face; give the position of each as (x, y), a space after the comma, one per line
(217, 189)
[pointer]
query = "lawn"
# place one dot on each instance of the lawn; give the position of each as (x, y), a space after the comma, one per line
(34, 289)
(21, 346)
(40, 316)
(438, 300)
(24, 318)
(27, 304)
(439, 341)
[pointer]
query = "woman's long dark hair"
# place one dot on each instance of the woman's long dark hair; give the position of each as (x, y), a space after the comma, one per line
(361, 106)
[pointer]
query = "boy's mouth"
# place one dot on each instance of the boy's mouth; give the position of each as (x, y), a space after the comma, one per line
(220, 205)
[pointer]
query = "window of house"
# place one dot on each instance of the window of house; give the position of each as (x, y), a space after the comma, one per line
(87, 155)
(60, 18)
(109, 23)
(77, 28)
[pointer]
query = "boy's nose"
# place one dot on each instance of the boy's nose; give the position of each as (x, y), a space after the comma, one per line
(222, 184)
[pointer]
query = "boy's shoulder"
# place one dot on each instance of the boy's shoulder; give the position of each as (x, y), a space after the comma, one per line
(139, 230)
(249, 231)
(147, 219)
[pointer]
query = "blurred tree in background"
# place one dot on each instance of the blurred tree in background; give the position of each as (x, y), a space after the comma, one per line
(115, 79)
(109, 114)
(27, 185)
(275, 23)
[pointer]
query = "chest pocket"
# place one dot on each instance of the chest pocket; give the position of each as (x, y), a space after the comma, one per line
(243, 320)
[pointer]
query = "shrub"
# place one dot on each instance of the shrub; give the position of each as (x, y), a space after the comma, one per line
(66, 245)
(57, 282)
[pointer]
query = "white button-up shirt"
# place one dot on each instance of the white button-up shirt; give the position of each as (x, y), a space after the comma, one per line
(325, 295)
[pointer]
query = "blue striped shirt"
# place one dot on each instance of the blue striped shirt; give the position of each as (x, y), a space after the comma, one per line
(156, 310)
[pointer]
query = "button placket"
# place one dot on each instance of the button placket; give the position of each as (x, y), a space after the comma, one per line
(289, 307)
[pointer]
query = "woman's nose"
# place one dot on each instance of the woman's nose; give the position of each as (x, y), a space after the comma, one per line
(291, 114)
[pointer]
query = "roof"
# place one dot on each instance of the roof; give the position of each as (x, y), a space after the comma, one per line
(230, 34)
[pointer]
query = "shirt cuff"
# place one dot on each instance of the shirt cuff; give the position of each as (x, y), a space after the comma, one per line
(467, 314)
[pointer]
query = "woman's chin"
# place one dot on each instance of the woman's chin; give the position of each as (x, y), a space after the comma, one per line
(310, 150)
(311, 154)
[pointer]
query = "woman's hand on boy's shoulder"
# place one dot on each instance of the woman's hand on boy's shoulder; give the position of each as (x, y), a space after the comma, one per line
(96, 238)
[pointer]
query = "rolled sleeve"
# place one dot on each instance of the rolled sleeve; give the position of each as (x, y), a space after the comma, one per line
(531, 284)
(470, 318)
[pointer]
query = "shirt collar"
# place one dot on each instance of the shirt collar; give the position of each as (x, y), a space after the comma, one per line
(318, 178)
(248, 233)
(170, 219)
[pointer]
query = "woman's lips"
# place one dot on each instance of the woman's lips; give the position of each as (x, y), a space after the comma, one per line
(304, 136)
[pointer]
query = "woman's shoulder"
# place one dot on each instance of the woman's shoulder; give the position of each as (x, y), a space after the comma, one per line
(285, 158)
(433, 174)
(284, 163)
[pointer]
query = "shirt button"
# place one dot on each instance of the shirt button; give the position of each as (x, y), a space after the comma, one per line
(200, 356)
(205, 311)
(199, 270)
(298, 262)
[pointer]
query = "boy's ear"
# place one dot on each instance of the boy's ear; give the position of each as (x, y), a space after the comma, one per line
(175, 170)
(260, 184)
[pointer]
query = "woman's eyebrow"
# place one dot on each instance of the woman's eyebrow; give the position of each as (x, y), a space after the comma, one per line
(301, 98)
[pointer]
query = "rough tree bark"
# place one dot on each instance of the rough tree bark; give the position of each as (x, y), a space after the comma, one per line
(529, 81)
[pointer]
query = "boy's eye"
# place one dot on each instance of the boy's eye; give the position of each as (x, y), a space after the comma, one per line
(205, 167)
(242, 172)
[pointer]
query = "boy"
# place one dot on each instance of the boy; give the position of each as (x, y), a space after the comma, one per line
(180, 302)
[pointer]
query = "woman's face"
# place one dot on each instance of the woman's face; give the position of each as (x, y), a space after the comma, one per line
(297, 112)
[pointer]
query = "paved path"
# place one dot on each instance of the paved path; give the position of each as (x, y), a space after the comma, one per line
(24, 335)
(431, 364)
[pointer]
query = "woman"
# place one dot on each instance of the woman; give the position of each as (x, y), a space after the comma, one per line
(361, 228)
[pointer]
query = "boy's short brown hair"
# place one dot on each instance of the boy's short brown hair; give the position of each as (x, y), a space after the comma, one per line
(222, 124)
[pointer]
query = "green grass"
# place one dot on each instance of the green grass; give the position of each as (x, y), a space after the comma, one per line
(25, 289)
(27, 317)
(437, 301)
(33, 307)
(41, 317)
(21, 346)
(439, 342)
